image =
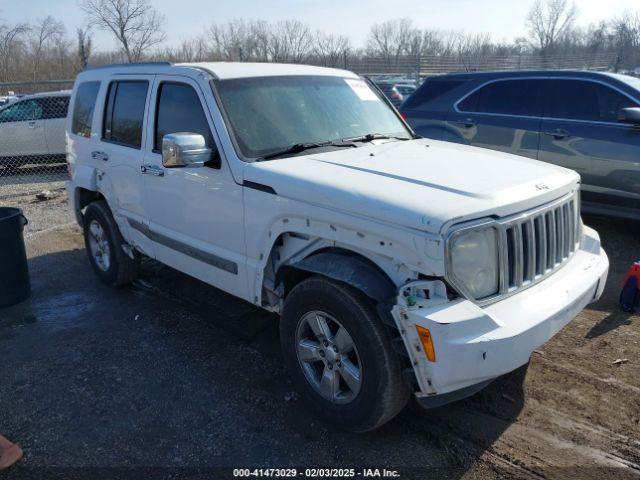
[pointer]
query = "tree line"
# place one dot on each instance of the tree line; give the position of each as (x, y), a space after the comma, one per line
(45, 49)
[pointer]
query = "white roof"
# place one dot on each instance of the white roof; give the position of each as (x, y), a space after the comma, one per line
(57, 93)
(226, 70)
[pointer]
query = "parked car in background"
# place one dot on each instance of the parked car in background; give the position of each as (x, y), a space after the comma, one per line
(395, 92)
(32, 130)
(586, 121)
(398, 265)
(406, 90)
(6, 99)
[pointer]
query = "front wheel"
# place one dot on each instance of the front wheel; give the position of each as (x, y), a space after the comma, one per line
(340, 355)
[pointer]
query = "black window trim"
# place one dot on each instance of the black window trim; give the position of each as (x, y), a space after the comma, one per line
(112, 101)
(157, 103)
(543, 116)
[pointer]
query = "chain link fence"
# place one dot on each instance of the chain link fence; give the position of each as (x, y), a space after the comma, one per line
(32, 124)
(32, 151)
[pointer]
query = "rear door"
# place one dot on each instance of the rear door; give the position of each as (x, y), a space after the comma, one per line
(501, 115)
(581, 131)
(120, 153)
(22, 129)
(54, 114)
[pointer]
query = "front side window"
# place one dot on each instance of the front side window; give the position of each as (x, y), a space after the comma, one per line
(54, 107)
(124, 113)
(584, 100)
(267, 114)
(83, 108)
(179, 110)
(505, 97)
(22, 111)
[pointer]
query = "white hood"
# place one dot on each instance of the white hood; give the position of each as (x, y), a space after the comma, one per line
(422, 184)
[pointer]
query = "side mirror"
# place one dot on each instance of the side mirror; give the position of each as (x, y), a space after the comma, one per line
(630, 115)
(185, 150)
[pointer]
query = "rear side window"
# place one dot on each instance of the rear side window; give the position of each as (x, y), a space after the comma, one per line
(83, 108)
(179, 110)
(124, 112)
(506, 97)
(584, 100)
(54, 107)
(430, 91)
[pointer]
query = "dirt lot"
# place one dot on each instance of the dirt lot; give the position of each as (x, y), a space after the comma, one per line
(177, 378)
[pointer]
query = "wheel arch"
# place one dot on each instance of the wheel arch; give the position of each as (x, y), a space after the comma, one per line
(343, 265)
(82, 198)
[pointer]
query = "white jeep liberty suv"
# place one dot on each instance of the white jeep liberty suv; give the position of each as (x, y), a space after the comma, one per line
(398, 265)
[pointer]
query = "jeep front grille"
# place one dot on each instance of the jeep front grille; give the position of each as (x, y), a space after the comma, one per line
(535, 244)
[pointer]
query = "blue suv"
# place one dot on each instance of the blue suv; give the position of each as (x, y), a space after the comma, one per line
(586, 121)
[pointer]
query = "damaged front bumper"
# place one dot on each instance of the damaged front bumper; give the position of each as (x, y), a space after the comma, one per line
(473, 345)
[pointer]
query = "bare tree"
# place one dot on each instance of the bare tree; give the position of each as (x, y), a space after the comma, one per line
(331, 50)
(85, 45)
(291, 41)
(626, 32)
(135, 24)
(11, 39)
(391, 39)
(43, 34)
(549, 21)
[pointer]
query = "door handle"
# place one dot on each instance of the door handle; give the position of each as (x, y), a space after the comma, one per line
(152, 170)
(558, 133)
(99, 156)
(466, 123)
(33, 124)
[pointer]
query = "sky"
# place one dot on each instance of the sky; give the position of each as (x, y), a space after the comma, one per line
(504, 19)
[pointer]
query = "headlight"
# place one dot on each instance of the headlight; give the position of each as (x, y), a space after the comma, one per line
(474, 261)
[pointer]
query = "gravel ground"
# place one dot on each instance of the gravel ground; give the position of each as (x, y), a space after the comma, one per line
(43, 201)
(172, 378)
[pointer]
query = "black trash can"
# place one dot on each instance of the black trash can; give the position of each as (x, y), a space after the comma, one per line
(14, 273)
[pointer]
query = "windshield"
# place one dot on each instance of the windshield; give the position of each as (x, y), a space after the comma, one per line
(268, 114)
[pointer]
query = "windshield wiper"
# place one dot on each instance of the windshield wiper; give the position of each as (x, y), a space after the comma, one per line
(301, 147)
(374, 136)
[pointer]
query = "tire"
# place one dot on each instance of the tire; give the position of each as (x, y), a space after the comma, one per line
(102, 236)
(381, 393)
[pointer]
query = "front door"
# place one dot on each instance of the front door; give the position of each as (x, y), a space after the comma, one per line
(195, 213)
(502, 115)
(581, 131)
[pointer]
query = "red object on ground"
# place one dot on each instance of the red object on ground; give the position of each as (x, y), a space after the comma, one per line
(634, 271)
(10, 453)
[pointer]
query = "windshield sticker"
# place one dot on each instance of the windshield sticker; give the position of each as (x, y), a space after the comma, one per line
(361, 89)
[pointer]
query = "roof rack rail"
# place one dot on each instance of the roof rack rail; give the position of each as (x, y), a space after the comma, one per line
(133, 64)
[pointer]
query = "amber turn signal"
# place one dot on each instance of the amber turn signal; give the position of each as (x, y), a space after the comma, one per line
(427, 343)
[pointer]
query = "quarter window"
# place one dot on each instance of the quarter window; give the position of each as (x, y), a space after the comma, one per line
(583, 100)
(124, 113)
(83, 108)
(179, 110)
(506, 97)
